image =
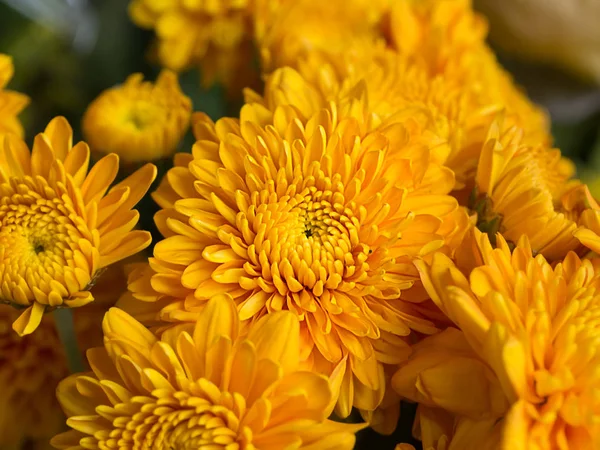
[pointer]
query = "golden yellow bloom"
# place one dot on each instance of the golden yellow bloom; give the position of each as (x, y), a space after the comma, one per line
(60, 225)
(517, 192)
(212, 34)
(448, 38)
(11, 103)
(32, 366)
(215, 387)
(289, 31)
(139, 120)
(528, 352)
(313, 214)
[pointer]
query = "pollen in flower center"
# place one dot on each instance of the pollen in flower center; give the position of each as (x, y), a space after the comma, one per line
(40, 233)
(303, 241)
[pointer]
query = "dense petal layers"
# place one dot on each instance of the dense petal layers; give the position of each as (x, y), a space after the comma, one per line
(214, 387)
(60, 224)
(313, 214)
(517, 192)
(139, 120)
(533, 330)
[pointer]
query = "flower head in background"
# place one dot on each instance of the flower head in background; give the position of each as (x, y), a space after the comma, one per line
(32, 366)
(213, 387)
(289, 31)
(216, 35)
(441, 34)
(314, 214)
(30, 369)
(11, 103)
(527, 352)
(60, 225)
(447, 37)
(438, 113)
(139, 120)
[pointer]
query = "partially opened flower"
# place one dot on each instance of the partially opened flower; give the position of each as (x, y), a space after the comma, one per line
(11, 103)
(312, 214)
(60, 225)
(517, 192)
(216, 387)
(139, 120)
(527, 358)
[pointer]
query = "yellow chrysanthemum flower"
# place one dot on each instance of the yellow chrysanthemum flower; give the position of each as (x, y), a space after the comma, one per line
(32, 366)
(213, 34)
(523, 369)
(139, 120)
(11, 103)
(441, 33)
(448, 38)
(313, 214)
(212, 388)
(60, 225)
(289, 31)
(517, 192)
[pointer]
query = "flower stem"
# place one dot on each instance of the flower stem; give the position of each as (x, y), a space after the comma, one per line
(63, 317)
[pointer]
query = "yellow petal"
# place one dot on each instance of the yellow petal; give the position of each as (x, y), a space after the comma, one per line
(277, 337)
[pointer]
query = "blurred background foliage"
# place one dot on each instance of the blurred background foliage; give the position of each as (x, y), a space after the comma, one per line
(67, 51)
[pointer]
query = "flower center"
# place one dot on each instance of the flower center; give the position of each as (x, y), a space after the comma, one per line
(39, 242)
(307, 241)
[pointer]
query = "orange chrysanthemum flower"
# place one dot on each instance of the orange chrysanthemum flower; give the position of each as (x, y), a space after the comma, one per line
(139, 120)
(313, 214)
(60, 225)
(517, 192)
(11, 103)
(527, 352)
(212, 388)
(32, 366)
(215, 35)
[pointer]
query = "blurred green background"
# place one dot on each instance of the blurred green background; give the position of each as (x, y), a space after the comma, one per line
(67, 51)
